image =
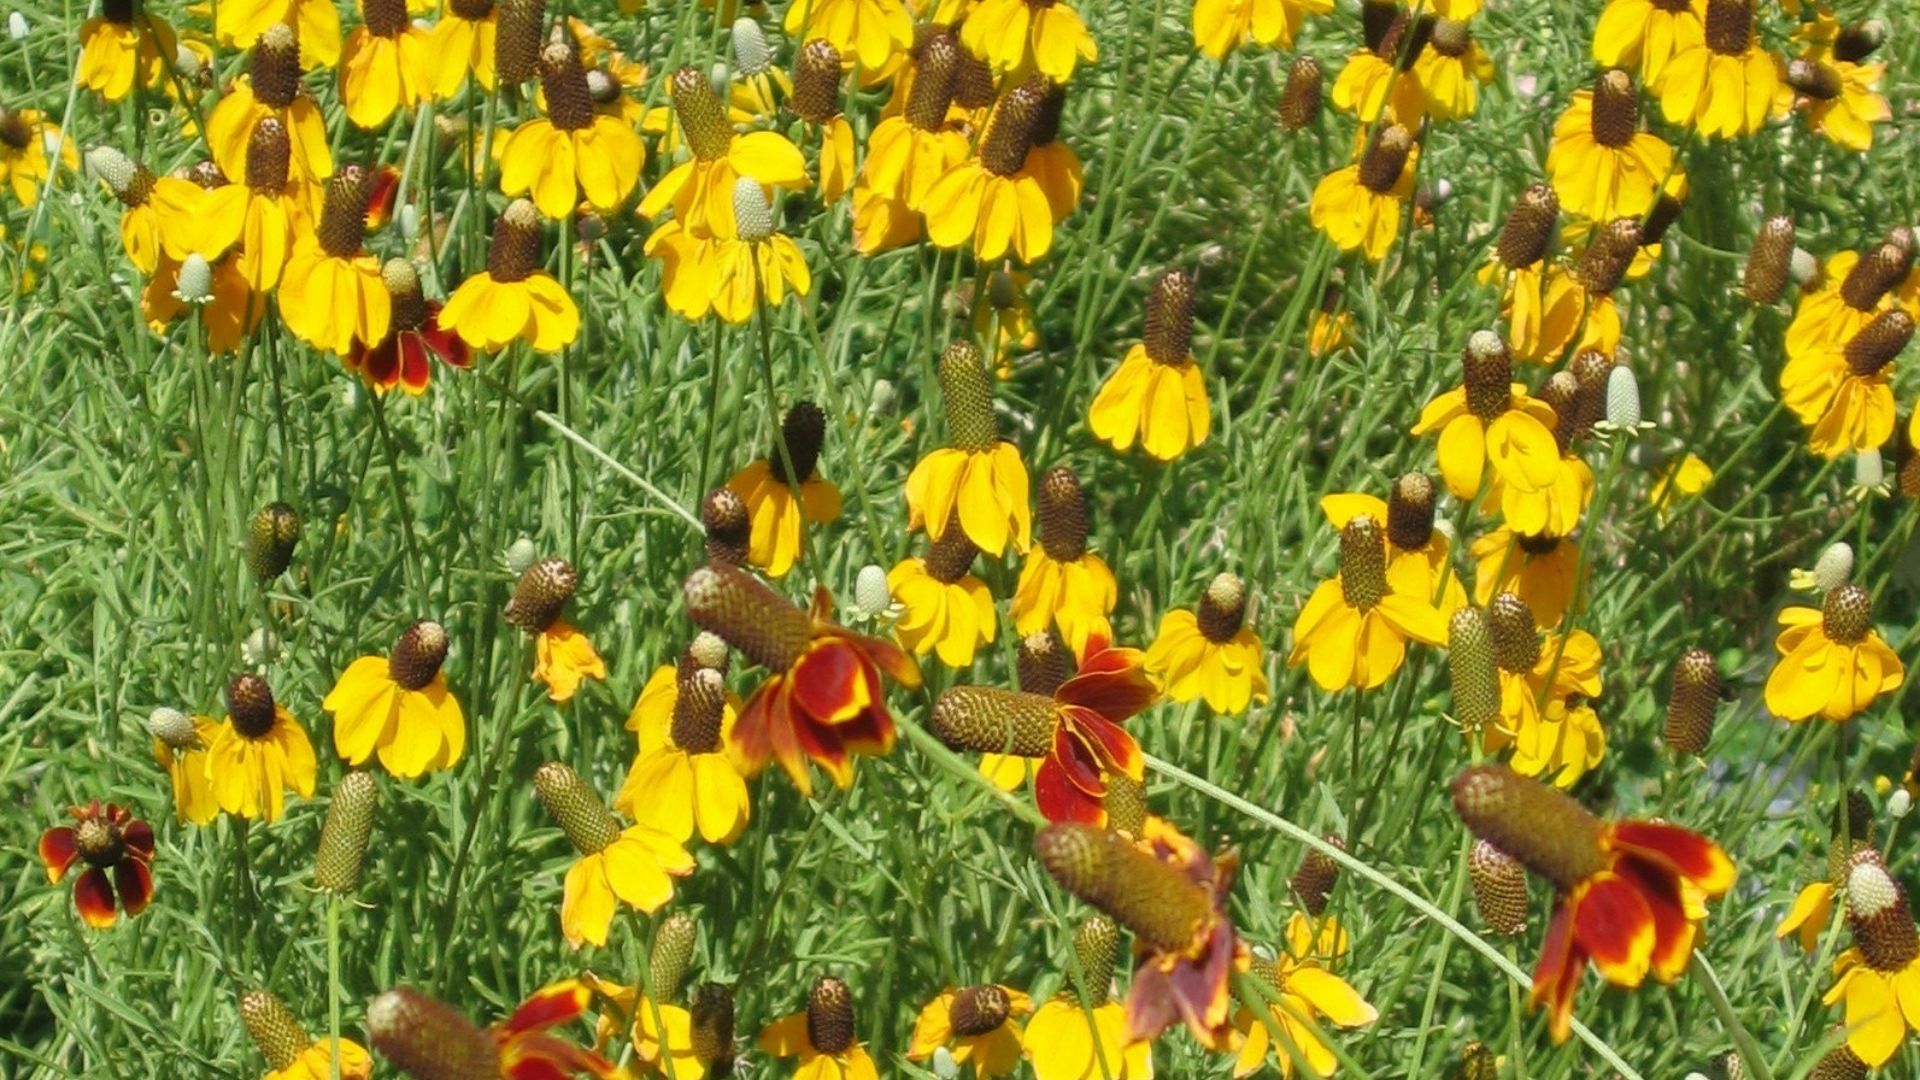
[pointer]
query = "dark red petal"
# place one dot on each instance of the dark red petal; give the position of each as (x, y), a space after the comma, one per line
(871, 733)
(93, 895)
(543, 1057)
(891, 659)
(135, 883)
(446, 343)
(414, 369)
(784, 723)
(1557, 974)
(1614, 928)
(57, 851)
(381, 363)
(1111, 682)
(1683, 851)
(1060, 801)
(556, 1004)
(386, 185)
(1079, 763)
(138, 837)
(827, 678)
(1151, 1004)
(1110, 743)
(1200, 986)
(824, 743)
(1672, 932)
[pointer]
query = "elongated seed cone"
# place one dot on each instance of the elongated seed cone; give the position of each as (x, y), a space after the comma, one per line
(1381, 23)
(518, 29)
(949, 558)
(988, 719)
(471, 10)
(1878, 342)
(1063, 515)
(1499, 889)
(429, 1039)
(273, 1028)
(1547, 831)
(1386, 159)
(542, 591)
(1839, 1063)
(1363, 563)
(344, 837)
(1096, 944)
(1877, 914)
(702, 115)
(1125, 804)
(974, 85)
(272, 534)
(966, 390)
(1003, 150)
(698, 711)
(1300, 97)
(1609, 253)
(343, 212)
(1516, 636)
(1769, 261)
(1729, 26)
(1474, 677)
(1169, 332)
(1163, 908)
(273, 69)
(269, 156)
(1592, 369)
(1666, 210)
(1880, 268)
(384, 18)
(816, 82)
(761, 624)
(803, 430)
(1486, 373)
(1561, 394)
(1222, 610)
(933, 77)
(711, 1031)
(576, 808)
(514, 253)
(729, 527)
(1529, 227)
(417, 656)
(250, 705)
(1410, 511)
(977, 1010)
(1616, 113)
(1695, 697)
(830, 1016)
(1847, 615)
(569, 100)
(1043, 663)
(671, 956)
(1858, 41)
(1813, 79)
(1313, 882)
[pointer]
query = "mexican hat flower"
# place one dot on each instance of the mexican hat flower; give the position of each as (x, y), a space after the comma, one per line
(822, 1036)
(701, 189)
(404, 358)
(683, 777)
(1490, 420)
(1066, 1040)
(1854, 834)
(871, 31)
(1695, 698)
(1879, 977)
(180, 746)
(1077, 731)
(1838, 91)
(1359, 206)
(1725, 84)
(1545, 685)
(398, 706)
(784, 491)
(1209, 652)
(461, 45)
(822, 699)
(1843, 393)
(1858, 286)
(272, 88)
(1419, 556)
(1451, 67)
(290, 1052)
(162, 214)
(739, 271)
(980, 479)
(574, 151)
(944, 608)
(258, 753)
(1353, 630)
(1221, 26)
(331, 292)
(1647, 34)
(978, 1024)
(634, 864)
(1603, 166)
(816, 101)
(265, 214)
(1833, 663)
(124, 43)
(911, 149)
(1026, 35)
(427, 1038)
(1554, 506)
(513, 298)
(998, 199)
(1622, 888)
(1306, 991)
(1542, 569)
(647, 1018)
(385, 66)
(563, 656)
(316, 23)
(1378, 79)
(1158, 395)
(1173, 896)
(214, 293)
(1062, 583)
(116, 848)
(26, 159)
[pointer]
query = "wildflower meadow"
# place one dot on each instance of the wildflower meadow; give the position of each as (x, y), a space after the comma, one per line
(1072, 539)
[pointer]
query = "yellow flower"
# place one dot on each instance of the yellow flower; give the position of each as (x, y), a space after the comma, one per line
(1542, 569)
(733, 273)
(1064, 1043)
(1330, 332)
(24, 166)
(272, 89)
(1682, 478)
(227, 319)
(1879, 978)
(385, 65)
(701, 189)
(1221, 26)
(1306, 992)
(1008, 194)
(1544, 687)
(398, 705)
(1808, 916)
(331, 292)
(1602, 166)
(180, 747)
(873, 31)
(258, 753)
(573, 151)
(162, 215)
(1843, 99)
(122, 43)
(462, 44)
(828, 1018)
(513, 298)
(1833, 663)
(1553, 507)
(1418, 555)
(911, 150)
(563, 659)
(1209, 652)
(1450, 69)
(1855, 288)
(1157, 395)
(316, 24)
(1488, 420)
(979, 1023)
(1723, 85)
(1844, 392)
(881, 224)
(1002, 312)
(1353, 630)
(634, 865)
(1359, 206)
(779, 518)
(979, 481)
(1373, 81)
(683, 776)
(1023, 35)
(1062, 582)
(265, 214)
(644, 1031)
(946, 609)
(1647, 33)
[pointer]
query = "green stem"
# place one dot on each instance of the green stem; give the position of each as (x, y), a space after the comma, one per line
(1742, 1040)
(333, 983)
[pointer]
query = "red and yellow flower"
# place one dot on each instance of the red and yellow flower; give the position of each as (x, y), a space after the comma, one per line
(414, 337)
(425, 1037)
(117, 849)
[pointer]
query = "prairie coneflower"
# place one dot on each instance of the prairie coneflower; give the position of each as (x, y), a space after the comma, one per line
(822, 699)
(1210, 653)
(1683, 478)
(635, 864)
(1879, 978)
(315, 22)
(978, 1024)
(822, 1036)
(1418, 555)
(214, 292)
(266, 213)
(398, 706)
(1545, 685)
(1540, 568)
(1173, 896)
(573, 152)
(563, 657)
(1451, 67)
(1024, 35)
(650, 1022)
(1077, 731)
(1622, 888)
(1841, 97)
(25, 163)
(1647, 33)
(946, 610)
(1854, 836)
(1062, 583)
(751, 264)
(871, 31)
(1353, 631)
(180, 746)
(258, 753)
(1539, 300)
(384, 66)
(1833, 663)
(1305, 990)
(116, 847)
(701, 189)
(331, 292)
(1858, 287)
(427, 1038)
(414, 337)
(817, 72)
(161, 215)
(1221, 26)
(1377, 80)
(462, 44)
(1556, 505)
(1359, 206)
(1068, 1041)
(1723, 85)
(911, 149)
(272, 88)
(979, 477)
(513, 298)
(123, 43)
(683, 776)
(291, 1053)
(1844, 392)
(1157, 396)
(1603, 166)
(768, 488)
(1490, 420)
(998, 198)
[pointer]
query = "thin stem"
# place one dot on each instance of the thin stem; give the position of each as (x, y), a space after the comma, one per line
(1742, 1040)
(333, 983)
(415, 571)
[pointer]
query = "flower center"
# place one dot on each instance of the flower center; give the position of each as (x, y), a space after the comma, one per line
(990, 720)
(515, 252)
(1877, 271)
(98, 841)
(728, 526)
(1169, 332)
(763, 625)
(816, 82)
(803, 430)
(1486, 371)
(1410, 512)
(403, 287)
(933, 78)
(269, 156)
(1003, 150)
(1814, 79)
(1528, 230)
(1223, 608)
(569, 99)
(542, 591)
(1042, 664)
(1063, 515)
(703, 117)
(118, 12)
(978, 1010)
(1381, 165)
(343, 214)
(830, 1016)
(1363, 563)
(1608, 256)
(575, 808)
(1516, 636)
(250, 704)
(518, 27)
(1878, 342)
(698, 710)
(1729, 26)
(1847, 616)
(1615, 112)
(275, 67)
(15, 132)
(471, 10)
(1163, 906)
(1451, 38)
(967, 396)
(384, 18)
(950, 557)
(417, 656)
(1538, 544)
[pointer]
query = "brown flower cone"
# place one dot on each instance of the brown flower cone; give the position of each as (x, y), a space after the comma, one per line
(699, 710)
(1665, 212)
(1609, 253)
(803, 430)
(1529, 227)
(1301, 96)
(272, 534)
(1363, 563)
(273, 1027)
(1769, 261)
(1516, 636)
(933, 76)
(1410, 511)
(672, 955)
(1043, 663)
(990, 720)
(429, 1039)
(519, 28)
(1096, 945)
(1839, 1063)
(1729, 26)
(1847, 615)
(1499, 889)
(1169, 333)
(1474, 677)
(1562, 395)
(1063, 515)
(729, 527)
(569, 101)
(1859, 40)
(514, 253)
(269, 155)
(1222, 610)
(1486, 373)
(408, 303)
(1616, 112)
(974, 84)
(1545, 830)
(816, 82)
(1878, 342)
(250, 704)
(711, 1031)
(542, 591)
(1313, 882)
(1878, 271)
(471, 10)
(702, 115)
(1814, 79)
(576, 808)
(1003, 150)
(1695, 698)
(417, 656)
(1878, 915)
(1125, 804)
(1451, 38)
(344, 837)
(1591, 370)
(384, 18)
(949, 558)
(1382, 164)
(761, 624)
(273, 68)
(830, 1016)
(967, 394)
(343, 212)
(979, 1009)
(1162, 907)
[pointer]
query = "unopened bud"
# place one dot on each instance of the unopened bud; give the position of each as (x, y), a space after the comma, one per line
(1499, 889)
(871, 592)
(193, 283)
(1313, 883)
(272, 534)
(751, 54)
(173, 727)
(344, 837)
(1623, 398)
(753, 218)
(672, 953)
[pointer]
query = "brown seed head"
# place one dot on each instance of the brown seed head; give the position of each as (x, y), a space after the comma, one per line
(344, 837)
(15, 133)
(1847, 615)
(1043, 663)
(1878, 342)
(273, 68)
(250, 705)
(272, 534)
(1547, 831)
(1003, 150)
(118, 12)
(384, 18)
(990, 720)
(1879, 269)
(1769, 261)
(698, 711)
(803, 430)
(1410, 512)
(702, 115)
(1562, 395)
(1499, 889)
(1162, 907)
(1169, 332)
(1222, 610)
(712, 1028)
(1695, 697)
(1486, 373)
(518, 29)
(1729, 26)
(1839, 1063)
(1878, 915)
(1853, 832)
(1300, 97)
(515, 252)
(1451, 38)
(933, 78)
(471, 10)
(269, 153)
(1046, 126)
(1609, 254)
(1473, 675)
(1063, 515)
(1363, 563)
(966, 390)
(830, 1016)
(343, 212)
(761, 624)
(1313, 882)
(429, 1039)
(978, 1010)
(1616, 112)
(816, 82)
(408, 303)
(275, 1031)
(1858, 41)
(1386, 159)
(576, 808)
(974, 85)
(1813, 79)
(543, 589)
(1516, 637)
(729, 527)
(417, 656)
(672, 953)
(949, 558)
(1591, 370)
(569, 101)
(1660, 218)
(1096, 944)
(1529, 227)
